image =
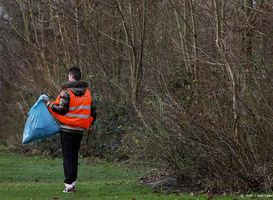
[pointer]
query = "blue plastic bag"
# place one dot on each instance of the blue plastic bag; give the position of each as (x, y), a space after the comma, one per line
(40, 124)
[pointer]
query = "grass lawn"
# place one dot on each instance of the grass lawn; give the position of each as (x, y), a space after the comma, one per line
(38, 178)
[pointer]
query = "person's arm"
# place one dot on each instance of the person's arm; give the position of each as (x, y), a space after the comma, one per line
(63, 107)
(93, 112)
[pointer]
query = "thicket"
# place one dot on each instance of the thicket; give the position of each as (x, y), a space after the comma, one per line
(184, 87)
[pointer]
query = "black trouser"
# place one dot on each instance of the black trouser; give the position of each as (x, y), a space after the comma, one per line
(71, 141)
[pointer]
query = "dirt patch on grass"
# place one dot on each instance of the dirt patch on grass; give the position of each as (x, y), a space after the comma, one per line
(168, 185)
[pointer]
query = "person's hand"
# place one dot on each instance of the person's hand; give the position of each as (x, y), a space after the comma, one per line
(46, 101)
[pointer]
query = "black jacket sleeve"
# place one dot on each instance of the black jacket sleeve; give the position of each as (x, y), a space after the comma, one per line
(93, 112)
(63, 108)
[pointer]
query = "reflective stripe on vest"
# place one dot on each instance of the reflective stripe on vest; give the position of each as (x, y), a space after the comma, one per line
(79, 107)
(79, 110)
(77, 115)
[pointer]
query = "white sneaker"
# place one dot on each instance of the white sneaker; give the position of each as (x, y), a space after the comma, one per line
(69, 188)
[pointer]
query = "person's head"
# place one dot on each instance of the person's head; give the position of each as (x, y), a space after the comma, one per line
(74, 74)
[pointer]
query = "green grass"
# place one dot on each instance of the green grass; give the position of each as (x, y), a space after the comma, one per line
(38, 178)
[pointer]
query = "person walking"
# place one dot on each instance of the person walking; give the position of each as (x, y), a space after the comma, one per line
(76, 111)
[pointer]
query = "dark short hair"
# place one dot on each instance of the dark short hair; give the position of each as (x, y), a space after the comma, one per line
(76, 73)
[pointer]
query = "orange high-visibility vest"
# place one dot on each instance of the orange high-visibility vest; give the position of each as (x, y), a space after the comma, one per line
(79, 110)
